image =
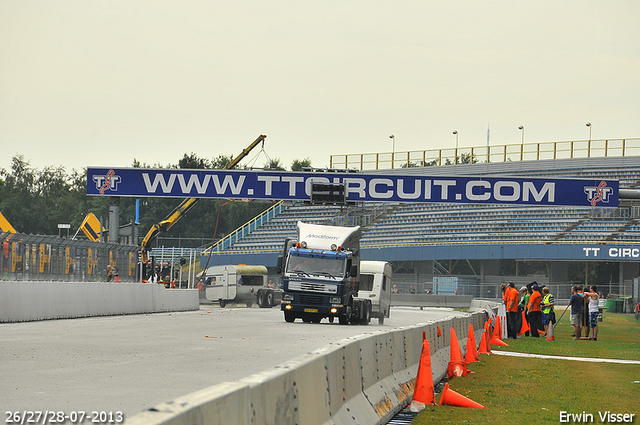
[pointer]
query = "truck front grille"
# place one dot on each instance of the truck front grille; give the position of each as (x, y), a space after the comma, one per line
(320, 287)
(311, 299)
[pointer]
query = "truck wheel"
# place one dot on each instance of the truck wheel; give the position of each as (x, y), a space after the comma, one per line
(331, 319)
(289, 317)
(260, 299)
(381, 319)
(367, 314)
(269, 300)
(222, 303)
(346, 315)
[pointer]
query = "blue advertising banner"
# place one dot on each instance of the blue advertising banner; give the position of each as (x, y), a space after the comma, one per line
(277, 185)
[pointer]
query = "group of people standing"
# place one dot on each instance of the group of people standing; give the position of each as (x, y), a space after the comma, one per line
(536, 303)
(584, 311)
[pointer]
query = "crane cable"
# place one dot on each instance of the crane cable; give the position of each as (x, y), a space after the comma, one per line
(220, 210)
(206, 266)
(255, 158)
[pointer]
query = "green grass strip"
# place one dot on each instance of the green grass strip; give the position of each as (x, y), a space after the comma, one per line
(517, 390)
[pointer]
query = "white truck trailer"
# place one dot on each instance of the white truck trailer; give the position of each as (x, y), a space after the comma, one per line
(241, 284)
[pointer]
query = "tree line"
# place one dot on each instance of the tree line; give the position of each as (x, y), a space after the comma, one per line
(35, 201)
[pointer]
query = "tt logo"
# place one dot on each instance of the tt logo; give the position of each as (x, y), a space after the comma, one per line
(599, 193)
(107, 182)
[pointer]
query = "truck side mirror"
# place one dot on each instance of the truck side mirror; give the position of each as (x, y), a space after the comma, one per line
(280, 265)
(354, 271)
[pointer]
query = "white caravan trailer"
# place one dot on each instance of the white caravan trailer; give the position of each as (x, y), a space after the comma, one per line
(240, 284)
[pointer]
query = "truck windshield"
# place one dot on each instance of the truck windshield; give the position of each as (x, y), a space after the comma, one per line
(333, 267)
(366, 282)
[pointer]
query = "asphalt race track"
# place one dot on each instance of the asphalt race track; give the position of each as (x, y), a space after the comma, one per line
(132, 363)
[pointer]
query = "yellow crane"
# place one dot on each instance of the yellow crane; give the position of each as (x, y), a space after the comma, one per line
(185, 206)
(5, 226)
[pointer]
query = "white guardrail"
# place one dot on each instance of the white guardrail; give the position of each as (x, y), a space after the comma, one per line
(365, 380)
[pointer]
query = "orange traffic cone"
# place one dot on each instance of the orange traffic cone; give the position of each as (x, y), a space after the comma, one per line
(456, 352)
(497, 332)
(550, 336)
(439, 333)
(457, 366)
(452, 398)
(484, 344)
(525, 325)
(472, 351)
(497, 341)
(424, 392)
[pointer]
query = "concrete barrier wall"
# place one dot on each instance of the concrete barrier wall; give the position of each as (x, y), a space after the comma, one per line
(361, 380)
(430, 300)
(27, 301)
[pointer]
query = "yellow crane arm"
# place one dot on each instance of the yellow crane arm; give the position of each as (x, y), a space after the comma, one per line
(182, 209)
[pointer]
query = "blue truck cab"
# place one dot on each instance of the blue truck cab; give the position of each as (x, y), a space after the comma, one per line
(320, 276)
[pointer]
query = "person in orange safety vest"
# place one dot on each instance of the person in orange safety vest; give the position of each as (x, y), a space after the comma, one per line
(533, 309)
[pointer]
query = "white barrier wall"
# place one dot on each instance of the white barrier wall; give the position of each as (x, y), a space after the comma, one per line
(430, 300)
(27, 301)
(361, 380)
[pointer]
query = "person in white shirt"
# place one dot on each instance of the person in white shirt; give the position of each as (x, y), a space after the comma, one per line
(593, 311)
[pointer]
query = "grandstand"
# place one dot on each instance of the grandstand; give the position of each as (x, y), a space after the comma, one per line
(421, 238)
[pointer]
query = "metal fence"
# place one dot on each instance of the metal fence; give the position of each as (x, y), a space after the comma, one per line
(50, 258)
(496, 153)
(491, 290)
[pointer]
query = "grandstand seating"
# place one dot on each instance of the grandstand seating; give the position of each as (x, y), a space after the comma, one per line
(270, 236)
(442, 223)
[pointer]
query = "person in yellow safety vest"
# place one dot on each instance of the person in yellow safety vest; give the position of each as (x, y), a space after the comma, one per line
(109, 273)
(548, 314)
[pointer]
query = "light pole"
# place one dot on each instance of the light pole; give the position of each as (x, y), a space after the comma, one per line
(521, 128)
(455, 132)
(393, 148)
(588, 143)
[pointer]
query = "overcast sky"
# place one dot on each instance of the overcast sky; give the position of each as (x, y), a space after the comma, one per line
(99, 83)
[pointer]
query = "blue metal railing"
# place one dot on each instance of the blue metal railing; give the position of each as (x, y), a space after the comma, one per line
(248, 227)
